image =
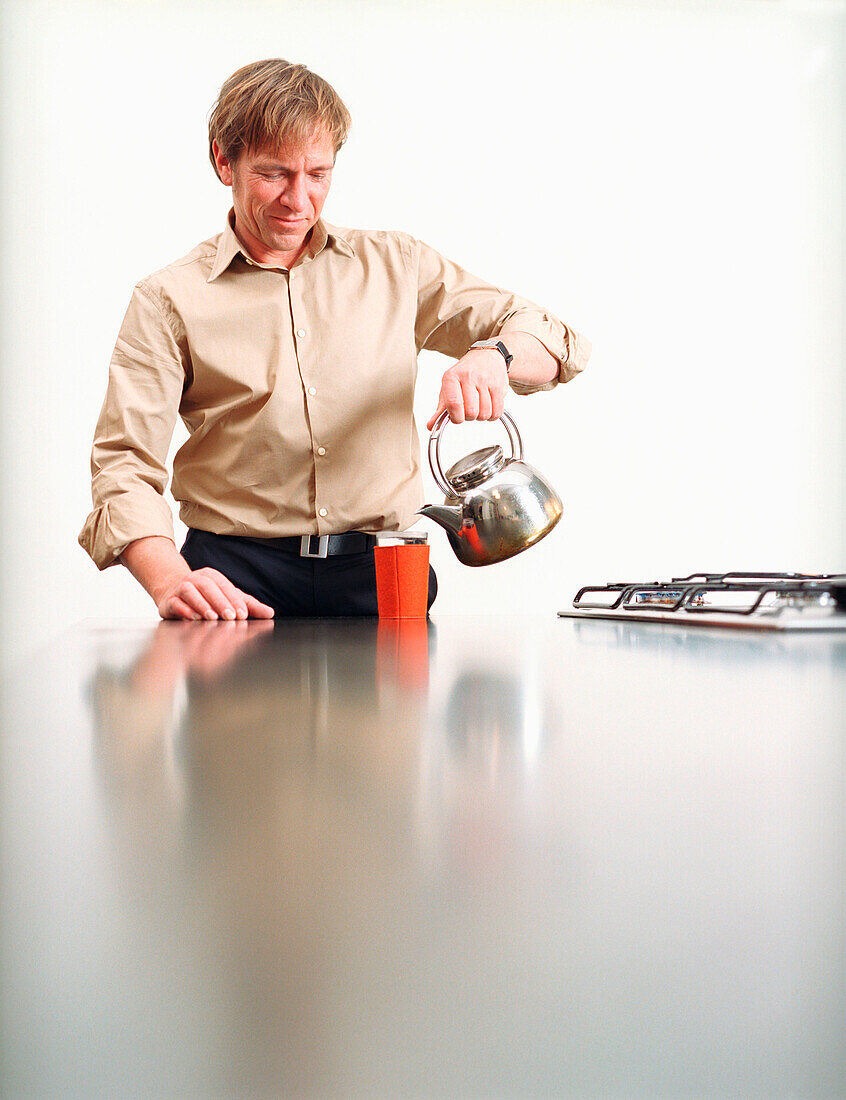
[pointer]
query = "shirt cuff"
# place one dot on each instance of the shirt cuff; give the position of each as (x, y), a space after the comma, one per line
(578, 353)
(110, 528)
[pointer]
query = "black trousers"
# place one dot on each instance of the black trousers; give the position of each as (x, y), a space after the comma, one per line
(295, 587)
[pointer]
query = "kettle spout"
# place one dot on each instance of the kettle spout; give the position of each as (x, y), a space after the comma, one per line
(448, 516)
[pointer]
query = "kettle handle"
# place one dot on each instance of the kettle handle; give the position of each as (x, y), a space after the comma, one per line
(435, 446)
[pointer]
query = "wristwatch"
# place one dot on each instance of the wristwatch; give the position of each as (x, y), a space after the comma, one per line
(500, 347)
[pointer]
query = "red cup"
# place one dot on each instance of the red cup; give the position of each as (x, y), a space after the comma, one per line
(402, 580)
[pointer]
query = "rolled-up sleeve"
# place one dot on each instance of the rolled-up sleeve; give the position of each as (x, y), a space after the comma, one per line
(133, 434)
(455, 308)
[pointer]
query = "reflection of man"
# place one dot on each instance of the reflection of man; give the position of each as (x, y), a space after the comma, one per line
(289, 349)
(258, 838)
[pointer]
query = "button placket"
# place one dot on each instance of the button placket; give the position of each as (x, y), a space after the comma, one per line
(302, 348)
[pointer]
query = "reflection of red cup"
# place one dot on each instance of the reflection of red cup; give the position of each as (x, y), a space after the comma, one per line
(402, 580)
(402, 652)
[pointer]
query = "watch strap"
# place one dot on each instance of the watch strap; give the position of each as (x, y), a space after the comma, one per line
(500, 347)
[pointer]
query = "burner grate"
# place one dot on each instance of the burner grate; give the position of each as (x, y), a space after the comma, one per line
(734, 593)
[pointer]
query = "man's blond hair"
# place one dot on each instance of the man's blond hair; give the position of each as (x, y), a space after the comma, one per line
(268, 103)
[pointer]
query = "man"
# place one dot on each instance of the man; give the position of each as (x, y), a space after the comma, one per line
(289, 348)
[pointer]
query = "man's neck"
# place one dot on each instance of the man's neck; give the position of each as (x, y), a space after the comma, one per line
(261, 254)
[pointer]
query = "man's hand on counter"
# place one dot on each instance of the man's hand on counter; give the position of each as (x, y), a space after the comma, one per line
(474, 387)
(182, 593)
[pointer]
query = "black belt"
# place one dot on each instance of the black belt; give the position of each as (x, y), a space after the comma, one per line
(323, 546)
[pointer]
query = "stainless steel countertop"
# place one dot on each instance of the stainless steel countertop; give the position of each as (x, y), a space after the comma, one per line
(481, 856)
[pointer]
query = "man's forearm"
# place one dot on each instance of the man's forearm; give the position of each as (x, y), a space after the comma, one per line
(474, 388)
(155, 563)
(182, 593)
(532, 364)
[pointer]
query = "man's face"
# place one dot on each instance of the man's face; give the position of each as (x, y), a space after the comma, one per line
(278, 194)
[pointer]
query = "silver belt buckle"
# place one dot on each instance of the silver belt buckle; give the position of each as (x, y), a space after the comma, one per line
(322, 546)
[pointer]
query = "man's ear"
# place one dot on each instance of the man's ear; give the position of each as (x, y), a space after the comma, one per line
(224, 168)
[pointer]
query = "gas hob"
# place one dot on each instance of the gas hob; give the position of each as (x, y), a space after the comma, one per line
(750, 601)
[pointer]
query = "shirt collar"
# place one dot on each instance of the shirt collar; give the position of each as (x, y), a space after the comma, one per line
(228, 247)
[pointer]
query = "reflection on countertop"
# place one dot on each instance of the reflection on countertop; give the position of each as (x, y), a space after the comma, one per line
(471, 855)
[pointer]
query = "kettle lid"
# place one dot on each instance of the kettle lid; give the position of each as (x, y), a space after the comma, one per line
(475, 468)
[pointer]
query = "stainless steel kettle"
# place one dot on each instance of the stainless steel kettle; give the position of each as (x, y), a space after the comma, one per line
(495, 506)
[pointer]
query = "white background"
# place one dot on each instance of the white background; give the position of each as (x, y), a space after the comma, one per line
(668, 177)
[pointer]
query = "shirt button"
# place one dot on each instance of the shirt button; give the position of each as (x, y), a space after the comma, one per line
(312, 390)
(322, 512)
(301, 332)
(321, 450)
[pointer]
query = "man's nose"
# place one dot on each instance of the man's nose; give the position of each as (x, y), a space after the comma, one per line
(296, 194)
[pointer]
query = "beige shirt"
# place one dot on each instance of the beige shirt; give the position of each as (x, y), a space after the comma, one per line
(296, 386)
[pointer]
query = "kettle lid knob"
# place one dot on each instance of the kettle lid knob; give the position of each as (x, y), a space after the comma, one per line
(489, 458)
(475, 468)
